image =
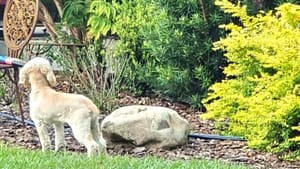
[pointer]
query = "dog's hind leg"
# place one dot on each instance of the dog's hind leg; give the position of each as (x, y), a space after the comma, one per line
(59, 136)
(43, 135)
(82, 131)
(97, 135)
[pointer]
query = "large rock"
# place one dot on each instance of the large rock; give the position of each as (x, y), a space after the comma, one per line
(150, 126)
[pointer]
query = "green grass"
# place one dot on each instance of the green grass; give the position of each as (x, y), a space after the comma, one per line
(19, 158)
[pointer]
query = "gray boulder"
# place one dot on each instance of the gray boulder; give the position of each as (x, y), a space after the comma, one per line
(149, 126)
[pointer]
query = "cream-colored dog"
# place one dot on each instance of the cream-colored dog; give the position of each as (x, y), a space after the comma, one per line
(48, 106)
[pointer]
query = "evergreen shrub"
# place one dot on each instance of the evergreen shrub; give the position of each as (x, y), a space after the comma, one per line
(259, 99)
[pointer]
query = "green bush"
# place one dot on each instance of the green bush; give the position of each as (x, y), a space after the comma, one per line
(125, 20)
(260, 96)
(254, 6)
(87, 74)
(179, 61)
(168, 43)
(75, 13)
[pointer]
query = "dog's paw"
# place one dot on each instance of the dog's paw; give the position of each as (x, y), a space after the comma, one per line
(60, 148)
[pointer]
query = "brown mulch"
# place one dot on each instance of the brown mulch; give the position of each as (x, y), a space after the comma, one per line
(14, 133)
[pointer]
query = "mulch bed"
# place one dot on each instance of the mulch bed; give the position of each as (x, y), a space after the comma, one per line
(12, 132)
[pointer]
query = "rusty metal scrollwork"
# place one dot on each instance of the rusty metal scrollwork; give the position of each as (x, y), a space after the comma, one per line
(20, 17)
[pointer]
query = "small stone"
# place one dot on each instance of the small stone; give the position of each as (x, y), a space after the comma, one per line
(139, 149)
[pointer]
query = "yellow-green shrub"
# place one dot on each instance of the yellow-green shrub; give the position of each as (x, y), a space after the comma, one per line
(260, 96)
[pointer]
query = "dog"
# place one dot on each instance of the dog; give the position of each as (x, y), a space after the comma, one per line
(48, 106)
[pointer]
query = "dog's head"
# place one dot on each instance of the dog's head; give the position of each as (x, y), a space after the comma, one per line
(37, 65)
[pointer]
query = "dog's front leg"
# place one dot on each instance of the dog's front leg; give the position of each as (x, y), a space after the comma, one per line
(59, 136)
(43, 135)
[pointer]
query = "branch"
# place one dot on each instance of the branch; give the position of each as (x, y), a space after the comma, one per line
(201, 4)
(47, 20)
(59, 6)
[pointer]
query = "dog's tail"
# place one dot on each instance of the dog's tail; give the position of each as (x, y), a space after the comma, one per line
(94, 109)
(97, 136)
(95, 128)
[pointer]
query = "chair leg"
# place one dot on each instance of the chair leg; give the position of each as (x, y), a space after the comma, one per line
(18, 95)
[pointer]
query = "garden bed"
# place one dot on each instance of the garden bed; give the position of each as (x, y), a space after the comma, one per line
(14, 133)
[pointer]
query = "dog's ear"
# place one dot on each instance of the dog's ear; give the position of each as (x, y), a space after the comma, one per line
(49, 75)
(51, 78)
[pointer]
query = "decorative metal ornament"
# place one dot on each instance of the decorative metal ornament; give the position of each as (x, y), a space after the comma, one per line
(19, 21)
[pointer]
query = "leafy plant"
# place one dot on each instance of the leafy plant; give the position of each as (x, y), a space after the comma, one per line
(168, 44)
(75, 18)
(126, 20)
(89, 73)
(2, 89)
(7, 91)
(254, 6)
(259, 96)
(75, 13)
(101, 14)
(182, 45)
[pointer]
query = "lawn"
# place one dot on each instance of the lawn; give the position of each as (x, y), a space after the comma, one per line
(20, 158)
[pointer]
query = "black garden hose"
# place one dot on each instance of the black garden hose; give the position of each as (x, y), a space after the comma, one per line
(215, 137)
(192, 135)
(12, 117)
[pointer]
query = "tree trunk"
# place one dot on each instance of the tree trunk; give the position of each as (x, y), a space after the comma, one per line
(47, 20)
(258, 3)
(59, 7)
(201, 5)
